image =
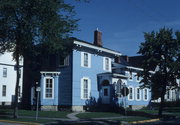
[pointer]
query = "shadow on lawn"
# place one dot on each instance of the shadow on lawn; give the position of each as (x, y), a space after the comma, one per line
(87, 122)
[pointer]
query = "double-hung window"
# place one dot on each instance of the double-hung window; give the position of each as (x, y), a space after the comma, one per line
(4, 72)
(138, 93)
(4, 90)
(85, 88)
(85, 59)
(145, 94)
(131, 93)
(107, 64)
(49, 88)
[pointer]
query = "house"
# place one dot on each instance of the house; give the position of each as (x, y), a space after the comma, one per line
(8, 79)
(91, 70)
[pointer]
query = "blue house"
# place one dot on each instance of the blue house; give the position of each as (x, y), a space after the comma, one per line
(91, 70)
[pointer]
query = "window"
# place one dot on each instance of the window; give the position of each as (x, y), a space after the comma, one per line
(131, 93)
(107, 64)
(138, 93)
(105, 92)
(118, 89)
(49, 88)
(145, 94)
(85, 88)
(85, 59)
(64, 61)
(4, 72)
(4, 90)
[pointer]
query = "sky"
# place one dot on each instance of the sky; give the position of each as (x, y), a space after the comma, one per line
(123, 22)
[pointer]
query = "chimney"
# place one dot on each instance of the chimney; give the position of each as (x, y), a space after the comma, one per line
(117, 59)
(126, 58)
(98, 38)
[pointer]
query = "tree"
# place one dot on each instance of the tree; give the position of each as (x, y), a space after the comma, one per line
(160, 50)
(25, 24)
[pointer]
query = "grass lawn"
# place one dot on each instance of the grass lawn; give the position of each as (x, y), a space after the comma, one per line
(171, 110)
(148, 111)
(88, 115)
(49, 114)
(132, 119)
(29, 120)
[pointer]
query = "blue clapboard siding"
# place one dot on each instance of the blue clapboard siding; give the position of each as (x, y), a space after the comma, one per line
(80, 72)
(53, 101)
(134, 83)
(65, 84)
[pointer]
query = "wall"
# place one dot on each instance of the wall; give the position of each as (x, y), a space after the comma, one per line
(65, 84)
(6, 61)
(80, 72)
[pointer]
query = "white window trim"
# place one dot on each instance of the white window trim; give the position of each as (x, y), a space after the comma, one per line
(89, 87)
(104, 64)
(82, 60)
(144, 94)
(139, 93)
(44, 89)
(132, 93)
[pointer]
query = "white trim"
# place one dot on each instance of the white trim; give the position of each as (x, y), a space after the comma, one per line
(100, 49)
(44, 87)
(130, 67)
(82, 87)
(82, 60)
(120, 75)
(144, 94)
(139, 93)
(44, 72)
(132, 93)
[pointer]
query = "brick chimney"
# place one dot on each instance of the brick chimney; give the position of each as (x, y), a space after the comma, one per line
(117, 59)
(126, 58)
(98, 38)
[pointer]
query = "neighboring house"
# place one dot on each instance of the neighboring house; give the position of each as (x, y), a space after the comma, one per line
(171, 94)
(91, 70)
(8, 79)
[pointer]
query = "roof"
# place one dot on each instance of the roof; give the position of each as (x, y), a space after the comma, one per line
(136, 61)
(90, 45)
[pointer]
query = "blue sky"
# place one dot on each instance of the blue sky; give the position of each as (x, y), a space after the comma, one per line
(122, 22)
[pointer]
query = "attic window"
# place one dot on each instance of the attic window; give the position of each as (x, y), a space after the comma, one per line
(64, 61)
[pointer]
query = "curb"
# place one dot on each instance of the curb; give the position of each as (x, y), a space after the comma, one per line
(17, 122)
(144, 121)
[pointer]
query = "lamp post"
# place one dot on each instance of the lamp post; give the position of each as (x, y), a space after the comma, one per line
(38, 89)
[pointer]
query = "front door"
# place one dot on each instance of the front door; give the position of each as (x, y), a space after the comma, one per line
(105, 94)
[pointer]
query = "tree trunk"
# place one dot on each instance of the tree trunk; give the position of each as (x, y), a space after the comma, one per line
(15, 114)
(162, 101)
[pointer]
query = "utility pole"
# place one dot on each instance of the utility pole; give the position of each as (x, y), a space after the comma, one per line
(38, 89)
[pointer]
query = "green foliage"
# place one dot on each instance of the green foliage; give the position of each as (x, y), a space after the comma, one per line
(161, 63)
(31, 26)
(161, 54)
(35, 22)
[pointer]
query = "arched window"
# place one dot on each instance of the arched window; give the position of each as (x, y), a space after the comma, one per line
(118, 87)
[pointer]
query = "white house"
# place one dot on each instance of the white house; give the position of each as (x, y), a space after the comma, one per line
(8, 79)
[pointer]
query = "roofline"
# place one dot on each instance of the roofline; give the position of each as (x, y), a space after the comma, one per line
(96, 47)
(140, 69)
